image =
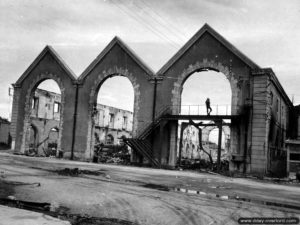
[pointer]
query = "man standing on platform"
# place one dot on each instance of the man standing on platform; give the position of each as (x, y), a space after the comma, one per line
(208, 108)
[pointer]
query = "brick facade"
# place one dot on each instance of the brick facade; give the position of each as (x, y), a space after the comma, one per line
(251, 88)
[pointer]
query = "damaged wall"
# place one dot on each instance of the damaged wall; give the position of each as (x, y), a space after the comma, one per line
(260, 124)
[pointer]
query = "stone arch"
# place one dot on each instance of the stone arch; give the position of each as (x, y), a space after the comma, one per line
(30, 91)
(110, 138)
(200, 66)
(206, 131)
(53, 134)
(28, 134)
(101, 78)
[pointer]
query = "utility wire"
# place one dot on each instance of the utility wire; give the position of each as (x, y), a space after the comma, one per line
(165, 25)
(148, 23)
(159, 16)
(140, 20)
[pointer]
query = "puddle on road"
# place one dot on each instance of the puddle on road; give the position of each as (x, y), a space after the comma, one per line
(255, 201)
(6, 189)
(288, 206)
(156, 187)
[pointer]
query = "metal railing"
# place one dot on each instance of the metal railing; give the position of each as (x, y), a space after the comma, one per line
(202, 110)
(187, 110)
(158, 114)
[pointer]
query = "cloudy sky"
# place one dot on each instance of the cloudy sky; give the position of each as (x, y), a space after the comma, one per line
(266, 31)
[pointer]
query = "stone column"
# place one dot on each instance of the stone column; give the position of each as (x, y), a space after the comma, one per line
(14, 117)
(173, 143)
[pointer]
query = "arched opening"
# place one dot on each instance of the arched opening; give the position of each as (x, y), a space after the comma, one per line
(109, 139)
(199, 86)
(113, 112)
(203, 133)
(121, 138)
(32, 137)
(52, 141)
(44, 110)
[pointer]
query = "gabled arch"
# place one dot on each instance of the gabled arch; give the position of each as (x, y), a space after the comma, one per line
(116, 41)
(207, 50)
(206, 29)
(47, 50)
(204, 65)
(48, 65)
(117, 59)
(115, 71)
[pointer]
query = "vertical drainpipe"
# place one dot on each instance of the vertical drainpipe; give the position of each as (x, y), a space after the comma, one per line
(154, 99)
(153, 112)
(74, 120)
(249, 121)
(246, 138)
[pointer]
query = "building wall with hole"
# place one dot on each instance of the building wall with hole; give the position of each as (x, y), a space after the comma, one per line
(46, 66)
(115, 63)
(114, 122)
(208, 53)
(251, 88)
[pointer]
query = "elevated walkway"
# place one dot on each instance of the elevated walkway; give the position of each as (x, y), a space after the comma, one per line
(141, 143)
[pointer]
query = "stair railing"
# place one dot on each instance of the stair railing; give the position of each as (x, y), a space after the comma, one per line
(149, 125)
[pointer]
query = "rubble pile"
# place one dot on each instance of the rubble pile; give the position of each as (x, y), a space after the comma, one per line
(117, 154)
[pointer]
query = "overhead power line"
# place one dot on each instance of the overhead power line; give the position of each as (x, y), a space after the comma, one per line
(160, 21)
(140, 20)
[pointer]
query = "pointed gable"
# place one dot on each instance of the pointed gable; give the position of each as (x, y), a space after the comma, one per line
(204, 30)
(47, 50)
(117, 41)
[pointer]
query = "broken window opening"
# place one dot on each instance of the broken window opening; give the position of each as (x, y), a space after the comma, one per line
(125, 122)
(109, 139)
(34, 103)
(56, 107)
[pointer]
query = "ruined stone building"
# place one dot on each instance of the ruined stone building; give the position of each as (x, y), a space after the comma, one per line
(44, 121)
(4, 131)
(111, 123)
(192, 149)
(293, 144)
(260, 120)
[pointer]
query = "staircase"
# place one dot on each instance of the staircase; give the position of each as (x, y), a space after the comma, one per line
(141, 144)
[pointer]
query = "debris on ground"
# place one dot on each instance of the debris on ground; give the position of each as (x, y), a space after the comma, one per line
(76, 171)
(116, 154)
(203, 165)
(157, 187)
(55, 210)
(103, 221)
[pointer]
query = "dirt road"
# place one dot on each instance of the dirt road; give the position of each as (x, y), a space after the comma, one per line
(143, 195)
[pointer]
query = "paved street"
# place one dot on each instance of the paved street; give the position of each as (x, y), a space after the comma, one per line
(143, 195)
